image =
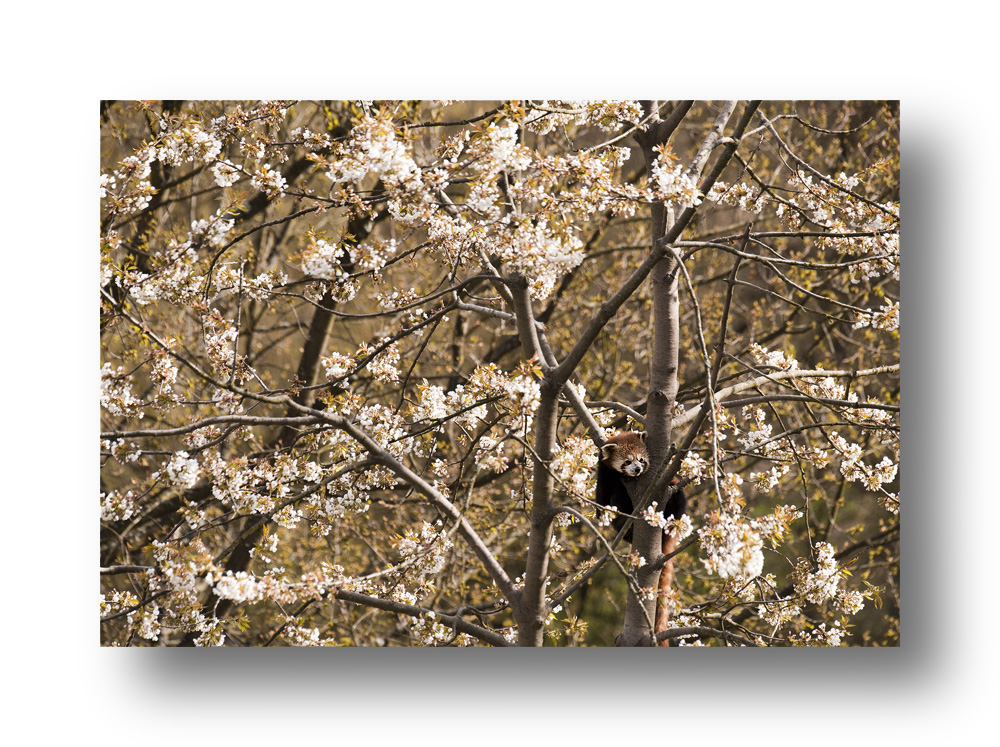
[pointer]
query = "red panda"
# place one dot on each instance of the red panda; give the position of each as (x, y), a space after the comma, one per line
(624, 457)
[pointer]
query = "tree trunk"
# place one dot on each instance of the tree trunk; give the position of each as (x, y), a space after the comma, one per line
(640, 612)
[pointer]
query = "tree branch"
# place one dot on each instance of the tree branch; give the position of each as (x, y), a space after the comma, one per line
(455, 622)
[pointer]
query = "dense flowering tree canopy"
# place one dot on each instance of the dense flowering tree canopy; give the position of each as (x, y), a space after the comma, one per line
(357, 358)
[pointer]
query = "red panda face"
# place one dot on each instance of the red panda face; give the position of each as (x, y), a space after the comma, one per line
(633, 466)
(626, 454)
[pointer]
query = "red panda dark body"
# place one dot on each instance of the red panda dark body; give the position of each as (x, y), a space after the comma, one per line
(623, 458)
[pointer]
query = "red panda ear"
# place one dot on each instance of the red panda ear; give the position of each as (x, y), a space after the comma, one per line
(642, 436)
(608, 450)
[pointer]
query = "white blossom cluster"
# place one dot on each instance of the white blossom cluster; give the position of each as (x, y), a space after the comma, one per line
(523, 392)
(384, 366)
(585, 182)
(116, 601)
(179, 566)
(731, 491)
(426, 549)
(489, 455)
(316, 583)
(371, 256)
(448, 235)
(182, 470)
(652, 516)
(111, 242)
(694, 468)
(266, 546)
(149, 624)
(432, 403)
(245, 587)
(833, 208)
(164, 376)
(757, 439)
(465, 402)
(850, 602)
(749, 199)
(341, 498)
(429, 632)
(176, 280)
(238, 587)
(820, 636)
(855, 470)
(778, 359)
(765, 482)
(681, 528)
(211, 633)
(254, 147)
(133, 177)
(503, 149)
(826, 388)
(889, 501)
(387, 427)
(325, 260)
(220, 339)
(116, 393)
(124, 452)
(298, 635)
(886, 318)
(551, 115)
(779, 612)
(483, 199)
(674, 184)
(225, 173)
(773, 526)
(245, 487)
(397, 299)
(635, 560)
(310, 139)
(608, 115)
(227, 401)
(818, 585)
(200, 438)
(573, 464)
(118, 506)
(336, 365)
(611, 115)
(731, 545)
(288, 517)
(187, 144)
(269, 180)
(541, 255)
(108, 182)
(214, 231)
(259, 288)
(372, 148)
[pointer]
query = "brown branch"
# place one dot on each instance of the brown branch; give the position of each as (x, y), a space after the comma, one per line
(455, 622)
(703, 632)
